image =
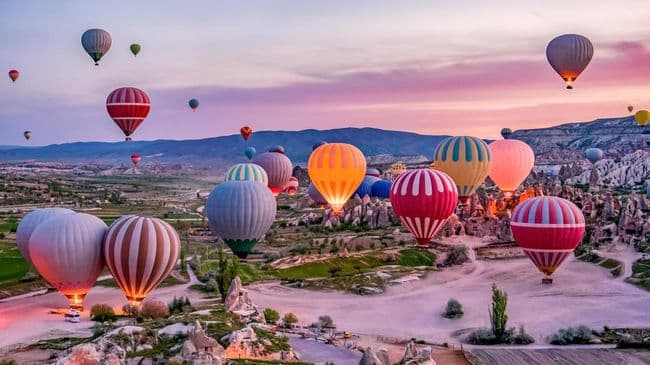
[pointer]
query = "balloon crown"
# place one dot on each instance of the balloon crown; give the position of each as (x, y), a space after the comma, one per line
(278, 149)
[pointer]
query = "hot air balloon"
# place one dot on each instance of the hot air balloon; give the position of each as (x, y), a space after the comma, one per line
(315, 195)
(194, 103)
(569, 55)
(29, 223)
(381, 189)
(396, 169)
(250, 152)
(246, 132)
(247, 171)
(27, 135)
(13, 75)
(373, 172)
(140, 252)
(135, 158)
(642, 117)
(423, 199)
(278, 167)
(278, 149)
(128, 107)
(336, 169)
(96, 42)
(594, 154)
(135, 48)
(317, 144)
(364, 188)
(467, 160)
(67, 251)
(506, 133)
(630, 108)
(240, 212)
(292, 186)
(548, 229)
(512, 161)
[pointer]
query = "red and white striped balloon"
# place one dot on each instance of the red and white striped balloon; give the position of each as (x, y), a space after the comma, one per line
(548, 229)
(140, 252)
(128, 107)
(424, 199)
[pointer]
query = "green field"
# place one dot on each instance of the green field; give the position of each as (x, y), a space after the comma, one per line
(12, 263)
(641, 274)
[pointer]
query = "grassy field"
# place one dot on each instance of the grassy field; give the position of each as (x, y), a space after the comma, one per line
(12, 263)
(641, 274)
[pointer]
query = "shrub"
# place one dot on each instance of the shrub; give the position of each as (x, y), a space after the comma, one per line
(154, 309)
(325, 321)
(178, 305)
(211, 285)
(289, 320)
(102, 313)
(457, 256)
(453, 310)
(334, 270)
(131, 310)
(521, 337)
(483, 336)
(358, 247)
(573, 335)
(271, 316)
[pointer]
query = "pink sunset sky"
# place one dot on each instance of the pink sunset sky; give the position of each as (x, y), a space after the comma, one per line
(433, 67)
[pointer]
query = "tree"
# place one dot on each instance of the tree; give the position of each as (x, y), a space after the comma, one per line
(154, 309)
(227, 270)
(498, 316)
(102, 313)
(454, 309)
(271, 316)
(325, 321)
(289, 320)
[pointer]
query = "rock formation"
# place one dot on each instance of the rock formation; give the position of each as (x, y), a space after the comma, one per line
(238, 302)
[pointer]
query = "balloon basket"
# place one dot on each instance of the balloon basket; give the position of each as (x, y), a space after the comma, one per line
(547, 281)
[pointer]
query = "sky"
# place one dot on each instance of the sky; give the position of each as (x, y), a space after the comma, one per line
(431, 67)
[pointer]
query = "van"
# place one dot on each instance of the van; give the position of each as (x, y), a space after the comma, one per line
(72, 316)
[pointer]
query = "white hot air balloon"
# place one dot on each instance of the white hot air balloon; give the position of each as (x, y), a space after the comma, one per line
(29, 223)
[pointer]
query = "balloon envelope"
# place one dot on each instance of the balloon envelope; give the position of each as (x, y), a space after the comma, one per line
(569, 55)
(506, 133)
(512, 161)
(128, 107)
(27, 134)
(336, 169)
(247, 172)
(315, 195)
(381, 189)
(246, 132)
(67, 251)
(193, 103)
(278, 167)
(135, 158)
(630, 108)
(642, 117)
(240, 212)
(250, 152)
(466, 160)
(29, 223)
(13, 75)
(594, 154)
(96, 42)
(396, 169)
(292, 186)
(548, 229)
(135, 49)
(370, 171)
(140, 252)
(423, 199)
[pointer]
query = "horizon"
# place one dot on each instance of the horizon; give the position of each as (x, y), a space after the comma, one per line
(297, 66)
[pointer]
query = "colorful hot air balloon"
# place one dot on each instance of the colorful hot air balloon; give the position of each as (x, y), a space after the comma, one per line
(317, 144)
(594, 154)
(67, 251)
(642, 117)
(548, 229)
(128, 107)
(278, 167)
(29, 223)
(135, 158)
(292, 186)
(336, 169)
(506, 133)
(381, 189)
(135, 48)
(96, 42)
(630, 108)
(315, 195)
(140, 252)
(250, 152)
(569, 55)
(240, 212)
(13, 75)
(397, 169)
(247, 171)
(27, 135)
(370, 171)
(365, 187)
(512, 161)
(466, 159)
(246, 132)
(423, 199)
(193, 103)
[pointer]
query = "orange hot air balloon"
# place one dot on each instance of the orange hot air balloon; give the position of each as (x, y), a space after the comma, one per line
(246, 132)
(512, 161)
(336, 169)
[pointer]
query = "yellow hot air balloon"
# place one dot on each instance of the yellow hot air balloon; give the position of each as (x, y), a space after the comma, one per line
(466, 160)
(512, 161)
(336, 169)
(642, 117)
(396, 169)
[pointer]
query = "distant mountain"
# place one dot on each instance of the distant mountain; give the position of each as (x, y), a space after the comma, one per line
(222, 151)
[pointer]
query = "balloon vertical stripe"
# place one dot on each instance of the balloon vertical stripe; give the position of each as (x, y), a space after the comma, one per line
(466, 160)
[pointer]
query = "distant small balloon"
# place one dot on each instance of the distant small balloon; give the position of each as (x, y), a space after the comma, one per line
(506, 133)
(569, 55)
(246, 132)
(278, 149)
(642, 117)
(13, 75)
(594, 154)
(250, 152)
(135, 49)
(194, 103)
(96, 42)
(630, 108)
(27, 134)
(135, 158)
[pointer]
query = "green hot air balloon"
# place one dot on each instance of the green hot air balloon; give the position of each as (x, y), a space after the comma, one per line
(135, 49)
(240, 212)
